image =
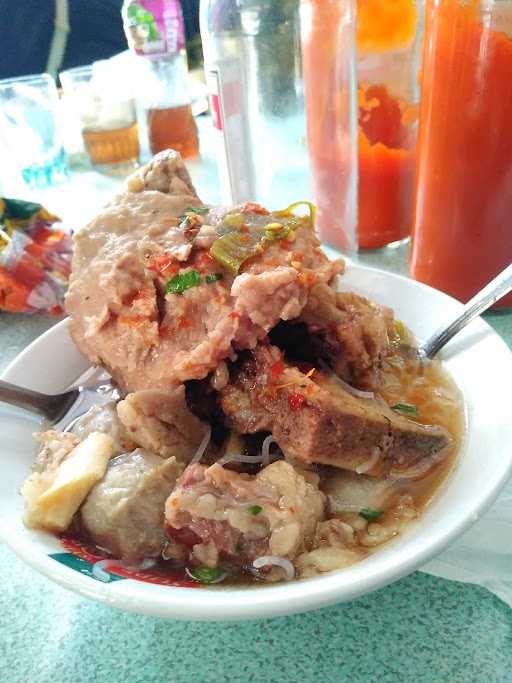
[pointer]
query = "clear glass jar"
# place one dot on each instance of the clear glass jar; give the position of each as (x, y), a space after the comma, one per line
(328, 46)
(388, 42)
(462, 233)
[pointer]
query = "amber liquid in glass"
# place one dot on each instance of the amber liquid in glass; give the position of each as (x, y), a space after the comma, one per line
(119, 146)
(173, 127)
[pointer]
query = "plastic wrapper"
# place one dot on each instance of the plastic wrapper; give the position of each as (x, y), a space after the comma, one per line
(483, 555)
(35, 258)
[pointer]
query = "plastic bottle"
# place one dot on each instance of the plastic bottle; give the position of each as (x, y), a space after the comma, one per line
(155, 32)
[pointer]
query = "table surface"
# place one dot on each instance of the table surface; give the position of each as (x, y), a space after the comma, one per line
(421, 628)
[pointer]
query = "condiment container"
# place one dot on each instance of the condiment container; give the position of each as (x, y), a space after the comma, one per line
(156, 34)
(462, 232)
(388, 46)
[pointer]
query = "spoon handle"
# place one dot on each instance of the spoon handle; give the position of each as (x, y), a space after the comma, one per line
(50, 407)
(486, 297)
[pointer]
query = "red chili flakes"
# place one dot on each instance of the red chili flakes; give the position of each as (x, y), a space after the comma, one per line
(203, 259)
(284, 244)
(276, 370)
(252, 207)
(164, 265)
(165, 332)
(132, 320)
(296, 401)
(308, 278)
(129, 299)
(234, 315)
(184, 323)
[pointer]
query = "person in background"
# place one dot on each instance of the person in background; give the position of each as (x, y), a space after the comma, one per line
(55, 35)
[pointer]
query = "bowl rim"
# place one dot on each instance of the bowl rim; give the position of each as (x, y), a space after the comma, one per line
(265, 601)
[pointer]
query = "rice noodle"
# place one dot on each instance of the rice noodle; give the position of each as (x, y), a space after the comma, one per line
(275, 561)
(337, 507)
(240, 457)
(202, 447)
(100, 569)
(368, 464)
(265, 453)
(348, 387)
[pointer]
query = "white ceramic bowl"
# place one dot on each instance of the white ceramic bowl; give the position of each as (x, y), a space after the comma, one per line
(477, 359)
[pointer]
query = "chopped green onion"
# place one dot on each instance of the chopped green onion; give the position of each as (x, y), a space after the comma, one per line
(233, 248)
(280, 233)
(197, 209)
(406, 408)
(254, 509)
(214, 277)
(401, 330)
(234, 220)
(370, 515)
(289, 210)
(179, 283)
(206, 574)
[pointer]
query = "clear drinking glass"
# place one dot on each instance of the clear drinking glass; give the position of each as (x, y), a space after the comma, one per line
(267, 72)
(29, 131)
(107, 115)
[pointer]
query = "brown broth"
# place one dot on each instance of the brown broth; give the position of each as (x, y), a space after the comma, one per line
(429, 387)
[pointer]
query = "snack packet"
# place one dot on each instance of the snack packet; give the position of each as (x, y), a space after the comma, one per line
(35, 258)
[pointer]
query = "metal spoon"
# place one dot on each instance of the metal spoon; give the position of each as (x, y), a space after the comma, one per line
(61, 409)
(486, 297)
(65, 408)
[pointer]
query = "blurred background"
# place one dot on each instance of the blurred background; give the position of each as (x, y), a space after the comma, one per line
(94, 31)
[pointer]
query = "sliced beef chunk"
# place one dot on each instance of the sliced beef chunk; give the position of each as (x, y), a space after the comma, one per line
(224, 515)
(315, 419)
(124, 512)
(353, 332)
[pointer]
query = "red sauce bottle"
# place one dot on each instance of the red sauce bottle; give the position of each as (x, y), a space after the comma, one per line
(388, 42)
(462, 235)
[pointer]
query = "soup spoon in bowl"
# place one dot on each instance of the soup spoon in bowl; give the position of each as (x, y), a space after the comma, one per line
(484, 299)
